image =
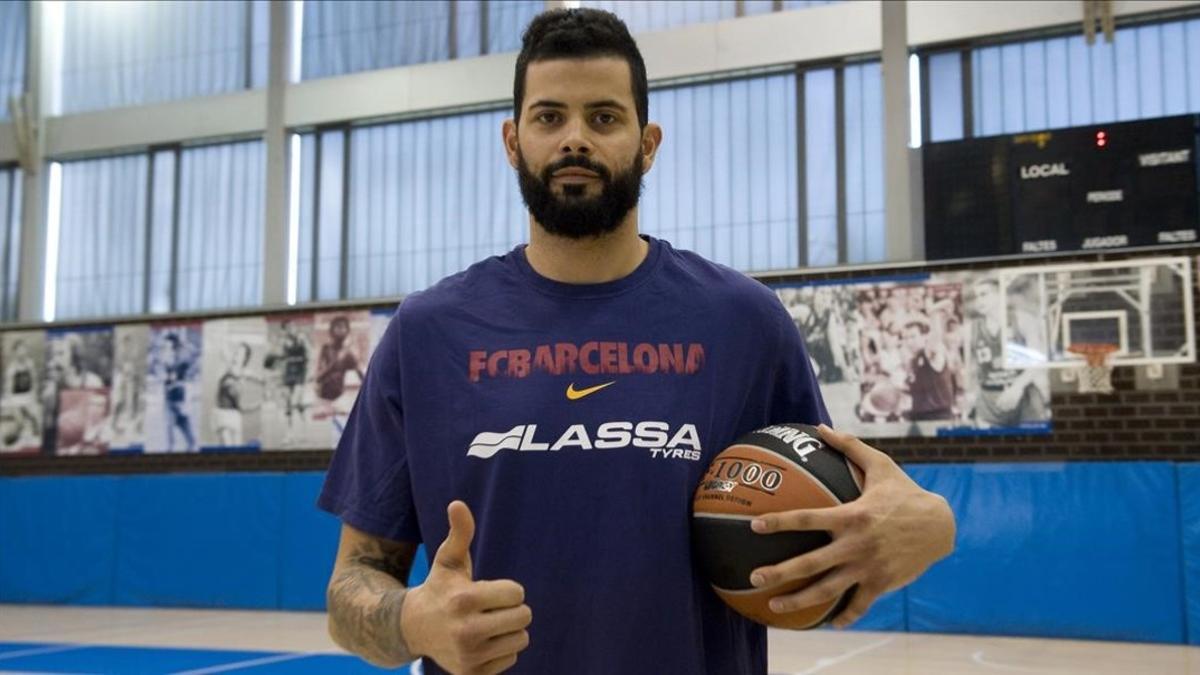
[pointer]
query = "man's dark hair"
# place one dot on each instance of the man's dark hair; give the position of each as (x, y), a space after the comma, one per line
(577, 34)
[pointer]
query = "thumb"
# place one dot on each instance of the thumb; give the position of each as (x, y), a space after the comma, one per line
(454, 555)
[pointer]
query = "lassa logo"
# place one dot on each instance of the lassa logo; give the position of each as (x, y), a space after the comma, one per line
(656, 437)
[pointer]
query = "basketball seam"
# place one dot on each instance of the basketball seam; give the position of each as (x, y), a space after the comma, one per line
(806, 472)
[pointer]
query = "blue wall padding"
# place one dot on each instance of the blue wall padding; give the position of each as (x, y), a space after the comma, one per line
(310, 538)
(309, 544)
(57, 540)
(1189, 516)
(208, 540)
(1082, 550)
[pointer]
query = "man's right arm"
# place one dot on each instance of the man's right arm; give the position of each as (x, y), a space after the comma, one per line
(366, 594)
(469, 627)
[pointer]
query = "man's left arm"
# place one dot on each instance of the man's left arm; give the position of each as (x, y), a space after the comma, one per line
(882, 541)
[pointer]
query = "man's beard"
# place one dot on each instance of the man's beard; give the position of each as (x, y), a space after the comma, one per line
(575, 215)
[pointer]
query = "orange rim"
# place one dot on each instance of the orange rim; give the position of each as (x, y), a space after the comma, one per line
(1096, 353)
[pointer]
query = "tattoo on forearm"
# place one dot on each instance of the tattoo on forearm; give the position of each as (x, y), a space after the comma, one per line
(364, 601)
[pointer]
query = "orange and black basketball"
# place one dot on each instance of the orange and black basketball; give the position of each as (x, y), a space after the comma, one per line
(777, 468)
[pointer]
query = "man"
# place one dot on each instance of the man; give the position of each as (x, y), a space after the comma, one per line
(337, 358)
(930, 381)
(1006, 397)
(20, 397)
(128, 382)
(227, 413)
(178, 368)
(542, 395)
(67, 369)
(292, 359)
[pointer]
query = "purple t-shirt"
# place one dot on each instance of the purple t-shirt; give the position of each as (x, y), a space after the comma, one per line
(576, 422)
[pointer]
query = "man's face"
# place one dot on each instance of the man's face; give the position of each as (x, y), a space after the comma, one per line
(578, 148)
(60, 354)
(339, 329)
(914, 339)
(986, 299)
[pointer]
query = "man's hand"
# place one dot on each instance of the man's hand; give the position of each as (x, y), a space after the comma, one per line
(467, 626)
(882, 541)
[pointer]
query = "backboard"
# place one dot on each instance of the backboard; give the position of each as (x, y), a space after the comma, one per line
(1143, 306)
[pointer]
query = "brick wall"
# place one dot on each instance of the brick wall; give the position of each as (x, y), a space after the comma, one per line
(1131, 424)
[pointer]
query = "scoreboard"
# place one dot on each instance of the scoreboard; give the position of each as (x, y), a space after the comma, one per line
(1085, 188)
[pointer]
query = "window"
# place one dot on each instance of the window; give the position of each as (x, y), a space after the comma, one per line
(10, 240)
(423, 199)
(428, 198)
(866, 236)
(821, 166)
(14, 24)
(492, 26)
(341, 36)
(390, 209)
(136, 53)
(220, 226)
(322, 215)
(102, 237)
(178, 229)
(1148, 71)
(643, 16)
(724, 183)
(805, 4)
(945, 96)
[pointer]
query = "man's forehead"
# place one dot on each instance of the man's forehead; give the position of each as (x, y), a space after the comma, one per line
(599, 77)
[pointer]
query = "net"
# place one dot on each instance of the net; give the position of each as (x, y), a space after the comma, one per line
(1095, 375)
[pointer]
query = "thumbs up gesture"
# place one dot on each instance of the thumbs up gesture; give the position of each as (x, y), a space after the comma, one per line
(469, 627)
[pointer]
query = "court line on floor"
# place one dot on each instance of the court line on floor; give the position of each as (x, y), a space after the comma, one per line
(248, 663)
(823, 663)
(977, 657)
(38, 651)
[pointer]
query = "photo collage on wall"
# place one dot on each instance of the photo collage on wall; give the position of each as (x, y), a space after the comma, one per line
(245, 384)
(917, 355)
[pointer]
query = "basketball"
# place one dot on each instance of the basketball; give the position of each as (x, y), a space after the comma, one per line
(777, 468)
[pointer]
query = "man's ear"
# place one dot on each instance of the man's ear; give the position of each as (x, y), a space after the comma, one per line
(508, 131)
(651, 142)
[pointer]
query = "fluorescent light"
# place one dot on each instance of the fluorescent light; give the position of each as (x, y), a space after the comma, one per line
(53, 218)
(293, 220)
(297, 38)
(572, 4)
(914, 101)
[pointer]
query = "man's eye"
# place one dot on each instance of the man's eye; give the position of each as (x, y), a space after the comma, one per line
(547, 117)
(606, 118)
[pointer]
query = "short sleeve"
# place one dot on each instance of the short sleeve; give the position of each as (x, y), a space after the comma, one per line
(796, 395)
(369, 486)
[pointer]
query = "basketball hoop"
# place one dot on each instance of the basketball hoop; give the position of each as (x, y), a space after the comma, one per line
(1096, 375)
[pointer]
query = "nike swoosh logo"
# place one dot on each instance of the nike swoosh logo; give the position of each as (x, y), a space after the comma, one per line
(574, 394)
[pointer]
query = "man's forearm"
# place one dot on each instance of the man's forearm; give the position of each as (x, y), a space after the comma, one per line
(364, 600)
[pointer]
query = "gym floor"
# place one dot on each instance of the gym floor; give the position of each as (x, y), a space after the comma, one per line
(36, 639)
